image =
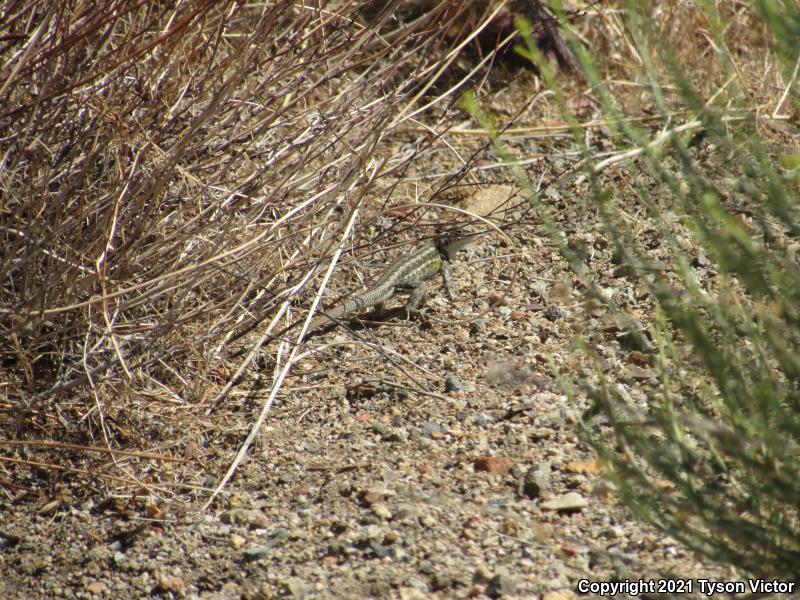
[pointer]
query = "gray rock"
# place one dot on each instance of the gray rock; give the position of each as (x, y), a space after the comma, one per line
(426, 567)
(251, 517)
(429, 428)
(554, 312)
(501, 585)
(418, 584)
(483, 420)
(453, 384)
(294, 587)
(389, 434)
(536, 481)
(569, 502)
(256, 552)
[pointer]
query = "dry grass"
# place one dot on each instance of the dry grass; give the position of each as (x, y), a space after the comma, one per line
(173, 178)
(177, 185)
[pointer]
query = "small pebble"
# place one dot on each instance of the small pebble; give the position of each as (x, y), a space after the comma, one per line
(535, 482)
(381, 510)
(256, 552)
(501, 585)
(481, 575)
(427, 521)
(496, 465)
(554, 312)
(569, 502)
(410, 593)
(483, 420)
(453, 384)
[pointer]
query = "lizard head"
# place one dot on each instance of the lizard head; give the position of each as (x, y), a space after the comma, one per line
(454, 240)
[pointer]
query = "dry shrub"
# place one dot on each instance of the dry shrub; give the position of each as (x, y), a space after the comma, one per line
(169, 174)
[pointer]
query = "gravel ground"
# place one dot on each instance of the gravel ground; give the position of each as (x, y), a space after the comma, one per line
(438, 460)
(364, 484)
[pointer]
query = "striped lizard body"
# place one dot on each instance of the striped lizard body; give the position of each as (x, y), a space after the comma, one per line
(409, 272)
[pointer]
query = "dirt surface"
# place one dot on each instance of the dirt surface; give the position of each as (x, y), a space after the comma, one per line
(427, 458)
(412, 459)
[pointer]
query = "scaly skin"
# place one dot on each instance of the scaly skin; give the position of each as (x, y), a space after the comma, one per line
(409, 272)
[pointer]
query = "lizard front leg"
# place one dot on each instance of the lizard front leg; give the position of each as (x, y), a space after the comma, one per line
(416, 297)
(447, 278)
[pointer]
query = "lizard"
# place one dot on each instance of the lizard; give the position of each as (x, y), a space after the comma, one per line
(409, 272)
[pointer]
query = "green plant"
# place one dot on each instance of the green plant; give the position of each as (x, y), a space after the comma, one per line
(713, 456)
